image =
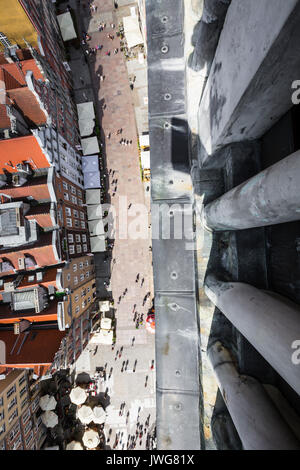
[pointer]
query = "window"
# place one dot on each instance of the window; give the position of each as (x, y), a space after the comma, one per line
(83, 292)
(69, 222)
(84, 304)
(68, 277)
(75, 280)
(70, 238)
(89, 300)
(1, 415)
(71, 249)
(27, 427)
(77, 309)
(76, 298)
(82, 215)
(24, 390)
(74, 268)
(12, 403)
(74, 199)
(68, 211)
(81, 265)
(73, 190)
(66, 196)
(82, 277)
(28, 439)
(26, 415)
(89, 289)
(76, 223)
(85, 248)
(83, 236)
(11, 391)
(75, 212)
(4, 41)
(15, 430)
(21, 380)
(78, 248)
(2, 429)
(87, 262)
(79, 193)
(82, 224)
(24, 402)
(17, 442)
(65, 185)
(80, 202)
(87, 274)
(77, 238)
(13, 416)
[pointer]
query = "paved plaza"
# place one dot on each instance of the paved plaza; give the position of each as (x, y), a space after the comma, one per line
(114, 102)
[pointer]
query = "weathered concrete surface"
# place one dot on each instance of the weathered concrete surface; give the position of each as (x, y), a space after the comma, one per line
(268, 321)
(261, 59)
(259, 425)
(270, 197)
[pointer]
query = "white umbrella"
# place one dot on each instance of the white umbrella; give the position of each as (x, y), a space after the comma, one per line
(48, 403)
(99, 415)
(85, 414)
(50, 419)
(90, 439)
(74, 445)
(78, 395)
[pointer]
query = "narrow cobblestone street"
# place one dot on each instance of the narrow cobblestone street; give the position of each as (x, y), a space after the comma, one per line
(130, 363)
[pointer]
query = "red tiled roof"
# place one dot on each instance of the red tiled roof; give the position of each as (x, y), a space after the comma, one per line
(36, 350)
(30, 64)
(25, 100)
(10, 77)
(41, 214)
(36, 188)
(43, 254)
(21, 149)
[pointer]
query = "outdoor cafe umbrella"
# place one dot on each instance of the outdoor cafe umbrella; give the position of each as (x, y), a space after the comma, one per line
(74, 445)
(78, 395)
(50, 419)
(90, 439)
(85, 414)
(47, 403)
(99, 415)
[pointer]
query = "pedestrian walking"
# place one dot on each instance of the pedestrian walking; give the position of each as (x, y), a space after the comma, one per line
(143, 280)
(107, 53)
(132, 342)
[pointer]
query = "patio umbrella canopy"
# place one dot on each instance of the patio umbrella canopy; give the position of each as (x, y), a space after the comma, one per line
(99, 415)
(90, 439)
(85, 414)
(50, 419)
(78, 396)
(106, 323)
(47, 403)
(74, 445)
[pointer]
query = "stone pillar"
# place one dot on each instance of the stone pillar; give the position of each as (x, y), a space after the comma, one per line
(270, 197)
(256, 419)
(271, 323)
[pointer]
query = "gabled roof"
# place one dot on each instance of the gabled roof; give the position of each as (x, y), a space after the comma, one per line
(37, 188)
(25, 100)
(21, 149)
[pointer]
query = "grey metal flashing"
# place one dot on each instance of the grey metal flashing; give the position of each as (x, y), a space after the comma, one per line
(178, 392)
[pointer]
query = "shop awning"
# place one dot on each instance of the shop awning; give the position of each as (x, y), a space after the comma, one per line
(86, 118)
(96, 227)
(91, 179)
(66, 26)
(94, 212)
(90, 163)
(132, 31)
(145, 159)
(144, 140)
(93, 196)
(90, 146)
(98, 244)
